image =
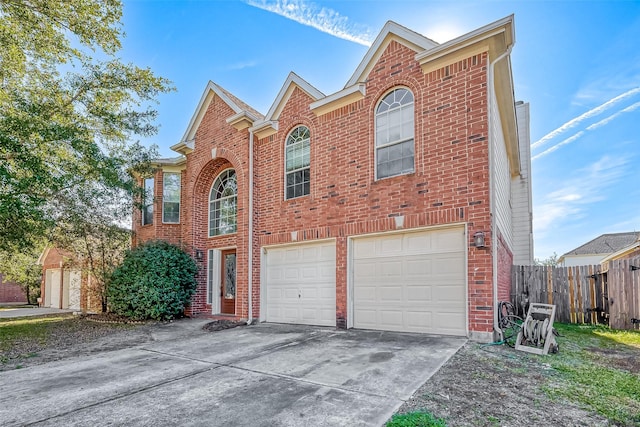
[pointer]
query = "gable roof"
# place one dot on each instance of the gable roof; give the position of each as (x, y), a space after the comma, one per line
(293, 80)
(232, 101)
(391, 31)
(606, 244)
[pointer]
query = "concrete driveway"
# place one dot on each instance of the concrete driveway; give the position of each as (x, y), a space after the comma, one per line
(263, 375)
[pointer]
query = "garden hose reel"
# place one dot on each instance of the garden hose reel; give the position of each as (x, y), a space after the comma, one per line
(536, 334)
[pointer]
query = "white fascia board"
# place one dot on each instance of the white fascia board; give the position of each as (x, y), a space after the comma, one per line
(205, 99)
(390, 27)
(241, 115)
(464, 40)
(621, 252)
(360, 87)
(263, 125)
(286, 91)
(176, 161)
(183, 146)
(43, 255)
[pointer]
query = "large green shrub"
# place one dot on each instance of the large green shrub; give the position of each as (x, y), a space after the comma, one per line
(155, 281)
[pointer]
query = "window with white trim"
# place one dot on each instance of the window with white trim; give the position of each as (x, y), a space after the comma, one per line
(395, 134)
(171, 197)
(147, 204)
(223, 204)
(297, 160)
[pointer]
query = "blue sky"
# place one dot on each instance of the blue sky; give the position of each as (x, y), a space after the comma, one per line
(576, 63)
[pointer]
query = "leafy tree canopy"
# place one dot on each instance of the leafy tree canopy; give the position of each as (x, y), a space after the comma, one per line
(69, 109)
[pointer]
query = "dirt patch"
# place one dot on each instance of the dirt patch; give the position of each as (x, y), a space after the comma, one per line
(219, 325)
(496, 386)
(617, 358)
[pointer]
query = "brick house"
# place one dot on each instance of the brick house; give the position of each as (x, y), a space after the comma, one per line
(397, 203)
(11, 292)
(64, 285)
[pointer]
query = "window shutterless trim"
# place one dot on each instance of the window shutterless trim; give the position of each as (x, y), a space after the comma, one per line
(303, 168)
(164, 201)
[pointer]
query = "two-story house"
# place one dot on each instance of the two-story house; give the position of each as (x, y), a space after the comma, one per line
(397, 203)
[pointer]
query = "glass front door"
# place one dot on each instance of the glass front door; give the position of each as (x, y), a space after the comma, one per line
(228, 282)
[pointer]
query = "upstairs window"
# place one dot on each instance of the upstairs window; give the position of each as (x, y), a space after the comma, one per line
(395, 134)
(171, 197)
(147, 204)
(223, 204)
(297, 160)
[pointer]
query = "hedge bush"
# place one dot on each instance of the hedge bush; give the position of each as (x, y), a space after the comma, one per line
(155, 281)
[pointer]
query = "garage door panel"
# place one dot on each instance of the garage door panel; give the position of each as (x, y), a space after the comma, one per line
(407, 290)
(449, 322)
(389, 294)
(391, 246)
(389, 268)
(419, 293)
(391, 318)
(418, 320)
(450, 293)
(305, 292)
(419, 243)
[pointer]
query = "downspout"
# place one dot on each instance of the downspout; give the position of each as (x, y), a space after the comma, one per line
(492, 203)
(250, 262)
(61, 285)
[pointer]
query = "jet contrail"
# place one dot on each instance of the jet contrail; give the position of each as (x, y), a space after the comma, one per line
(576, 121)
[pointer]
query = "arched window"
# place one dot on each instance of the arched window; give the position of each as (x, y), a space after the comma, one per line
(394, 134)
(297, 160)
(223, 204)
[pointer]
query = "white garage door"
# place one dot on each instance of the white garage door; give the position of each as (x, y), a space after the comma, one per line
(301, 284)
(55, 288)
(411, 282)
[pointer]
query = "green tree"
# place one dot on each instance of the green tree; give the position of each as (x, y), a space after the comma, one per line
(92, 227)
(69, 110)
(551, 260)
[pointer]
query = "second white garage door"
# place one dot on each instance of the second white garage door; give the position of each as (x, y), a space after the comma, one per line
(411, 282)
(300, 284)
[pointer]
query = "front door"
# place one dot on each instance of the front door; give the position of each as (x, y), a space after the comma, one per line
(228, 282)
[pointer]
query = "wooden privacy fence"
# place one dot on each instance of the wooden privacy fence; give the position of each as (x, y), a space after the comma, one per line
(582, 294)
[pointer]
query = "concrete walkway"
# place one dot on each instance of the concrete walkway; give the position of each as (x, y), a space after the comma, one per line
(6, 313)
(263, 375)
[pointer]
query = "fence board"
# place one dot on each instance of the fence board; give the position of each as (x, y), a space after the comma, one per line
(582, 294)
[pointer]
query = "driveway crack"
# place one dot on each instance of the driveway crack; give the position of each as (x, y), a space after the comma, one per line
(125, 395)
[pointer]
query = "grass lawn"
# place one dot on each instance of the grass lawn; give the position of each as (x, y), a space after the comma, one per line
(11, 307)
(597, 369)
(25, 339)
(27, 328)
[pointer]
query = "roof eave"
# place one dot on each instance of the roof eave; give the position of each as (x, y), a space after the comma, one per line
(339, 99)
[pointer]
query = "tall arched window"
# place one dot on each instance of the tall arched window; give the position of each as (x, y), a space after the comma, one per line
(223, 204)
(297, 160)
(394, 134)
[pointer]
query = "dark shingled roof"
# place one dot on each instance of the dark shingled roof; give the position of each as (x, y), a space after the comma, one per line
(606, 244)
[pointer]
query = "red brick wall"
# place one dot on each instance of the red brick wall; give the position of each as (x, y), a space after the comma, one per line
(232, 151)
(450, 183)
(505, 261)
(11, 292)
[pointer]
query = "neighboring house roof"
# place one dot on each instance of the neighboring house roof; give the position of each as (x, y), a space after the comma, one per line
(626, 251)
(605, 244)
